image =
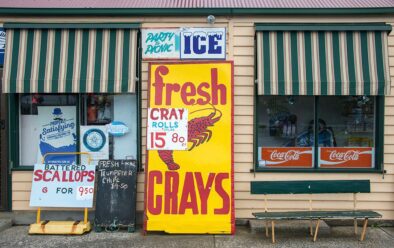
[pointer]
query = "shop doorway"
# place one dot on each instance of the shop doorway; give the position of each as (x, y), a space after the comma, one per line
(3, 150)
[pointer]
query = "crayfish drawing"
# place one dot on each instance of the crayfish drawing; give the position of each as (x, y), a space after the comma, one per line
(197, 134)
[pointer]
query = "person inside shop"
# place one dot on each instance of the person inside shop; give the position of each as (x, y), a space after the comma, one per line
(326, 136)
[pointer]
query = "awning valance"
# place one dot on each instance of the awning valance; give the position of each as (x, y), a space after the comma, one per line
(322, 62)
(78, 60)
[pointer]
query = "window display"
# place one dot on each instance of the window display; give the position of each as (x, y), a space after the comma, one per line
(114, 112)
(353, 122)
(285, 131)
(345, 131)
(52, 123)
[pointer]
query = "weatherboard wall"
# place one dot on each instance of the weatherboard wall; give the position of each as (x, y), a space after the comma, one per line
(240, 49)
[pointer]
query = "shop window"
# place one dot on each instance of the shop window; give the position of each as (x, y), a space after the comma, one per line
(347, 127)
(345, 136)
(52, 123)
(285, 124)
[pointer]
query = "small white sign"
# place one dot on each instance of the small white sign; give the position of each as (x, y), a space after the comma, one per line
(160, 43)
(117, 128)
(203, 43)
(167, 129)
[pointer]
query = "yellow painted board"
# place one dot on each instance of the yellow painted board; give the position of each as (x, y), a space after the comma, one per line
(60, 227)
(191, 191)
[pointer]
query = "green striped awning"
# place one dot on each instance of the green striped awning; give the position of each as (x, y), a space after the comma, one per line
(65, 60)
(322, 62)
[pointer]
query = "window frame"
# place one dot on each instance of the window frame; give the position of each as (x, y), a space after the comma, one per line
(378, 144)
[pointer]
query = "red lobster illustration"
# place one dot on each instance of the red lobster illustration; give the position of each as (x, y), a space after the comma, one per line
(197, 134)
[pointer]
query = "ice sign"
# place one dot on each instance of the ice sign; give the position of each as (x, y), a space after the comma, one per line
(203, 43)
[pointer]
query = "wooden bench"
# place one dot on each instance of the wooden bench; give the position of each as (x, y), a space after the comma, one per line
(313, 187)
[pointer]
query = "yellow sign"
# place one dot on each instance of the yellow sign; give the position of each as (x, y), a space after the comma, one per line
(191, 191)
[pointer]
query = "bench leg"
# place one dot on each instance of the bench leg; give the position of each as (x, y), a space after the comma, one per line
(364, 229)
(355, 226)
(266, 229)
(311, 228)
(316, 230)
(273, 231)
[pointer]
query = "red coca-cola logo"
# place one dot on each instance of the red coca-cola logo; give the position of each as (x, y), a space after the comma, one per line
(285, 156)
(344, 156)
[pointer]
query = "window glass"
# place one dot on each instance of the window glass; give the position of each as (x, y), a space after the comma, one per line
(285, 131)
(346, 131)
(114, 112)
(47, 125)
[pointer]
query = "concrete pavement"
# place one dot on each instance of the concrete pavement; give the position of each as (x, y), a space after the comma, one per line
(295, 237)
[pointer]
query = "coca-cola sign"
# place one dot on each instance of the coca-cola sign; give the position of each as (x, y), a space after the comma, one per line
(345, 157)
(286, 157)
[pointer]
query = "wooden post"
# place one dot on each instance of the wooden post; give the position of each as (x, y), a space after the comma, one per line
(85, 217)
(310, 209)
(38, 219)
(266, 221)
(355, 208)
(316, 230)
(364, 229)
(273, 231)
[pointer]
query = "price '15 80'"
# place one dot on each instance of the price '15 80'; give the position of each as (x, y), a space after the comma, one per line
(159, 140)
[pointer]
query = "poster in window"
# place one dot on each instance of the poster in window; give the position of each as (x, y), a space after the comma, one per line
(346, 157)
(57, 134)
(191, 190)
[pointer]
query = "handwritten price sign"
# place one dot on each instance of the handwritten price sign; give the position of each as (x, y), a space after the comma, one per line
(85, 193)
(167, 129)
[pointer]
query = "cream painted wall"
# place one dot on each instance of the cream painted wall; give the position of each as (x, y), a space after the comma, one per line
(240, 48)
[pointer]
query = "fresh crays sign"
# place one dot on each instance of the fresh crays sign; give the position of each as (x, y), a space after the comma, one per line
(286, 157)
(189, 166)
(346, 157)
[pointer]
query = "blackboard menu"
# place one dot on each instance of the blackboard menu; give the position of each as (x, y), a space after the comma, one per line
(116, 194)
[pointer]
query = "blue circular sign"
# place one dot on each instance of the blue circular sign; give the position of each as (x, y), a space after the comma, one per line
(94, 139)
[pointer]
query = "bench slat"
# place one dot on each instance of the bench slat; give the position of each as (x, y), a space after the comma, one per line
(316, 215)
(310, 187)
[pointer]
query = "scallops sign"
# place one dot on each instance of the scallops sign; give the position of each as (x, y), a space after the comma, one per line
(189, 167)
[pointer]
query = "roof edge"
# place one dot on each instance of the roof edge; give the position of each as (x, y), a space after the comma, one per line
(370, 26)
(193, 11)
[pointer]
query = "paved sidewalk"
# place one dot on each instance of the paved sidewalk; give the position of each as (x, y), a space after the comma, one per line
(338, 237)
